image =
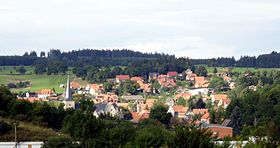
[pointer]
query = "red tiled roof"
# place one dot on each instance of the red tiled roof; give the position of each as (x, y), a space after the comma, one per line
(96, 87)
(75, 85)
(122, 77)
(172, 73)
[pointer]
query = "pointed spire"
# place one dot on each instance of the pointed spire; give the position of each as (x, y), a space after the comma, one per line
(68, 93)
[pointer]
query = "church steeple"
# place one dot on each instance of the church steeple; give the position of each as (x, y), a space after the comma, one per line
(68, 93)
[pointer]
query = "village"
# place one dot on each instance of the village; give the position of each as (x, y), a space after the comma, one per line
(189, 102)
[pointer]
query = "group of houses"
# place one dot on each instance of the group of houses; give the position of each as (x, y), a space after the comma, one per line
(140, 107)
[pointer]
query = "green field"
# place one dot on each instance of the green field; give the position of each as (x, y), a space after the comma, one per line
(38, 82)
(7, 70)
(237, 69)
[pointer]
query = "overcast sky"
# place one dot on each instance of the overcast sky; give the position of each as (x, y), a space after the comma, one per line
(190, 28)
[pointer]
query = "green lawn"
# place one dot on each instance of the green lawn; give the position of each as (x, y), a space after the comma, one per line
(237, 69)
(6, 70)
(38, 82)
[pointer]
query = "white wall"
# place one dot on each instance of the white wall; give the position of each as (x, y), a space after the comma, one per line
(21, 144)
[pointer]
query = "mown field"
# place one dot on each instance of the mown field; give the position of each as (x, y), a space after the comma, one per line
(238, 69)
(8, 74)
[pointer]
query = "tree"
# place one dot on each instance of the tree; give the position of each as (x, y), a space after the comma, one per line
(154, 136)
(235, 120)
(83, 127)
(199, 104)
(60, 142)
(188, 136)
(42, 54)
(160, 113)
(217, 83)
(21, 70)
(181, 101)
(201, 71)
(4, 127)
(215, 70)
(33, 54)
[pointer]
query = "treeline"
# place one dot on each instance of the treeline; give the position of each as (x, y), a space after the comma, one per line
(125, 57)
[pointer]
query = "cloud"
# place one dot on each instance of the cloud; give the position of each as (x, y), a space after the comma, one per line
(184, 28)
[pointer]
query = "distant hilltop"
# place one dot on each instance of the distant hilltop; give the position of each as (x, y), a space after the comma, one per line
(123, 57)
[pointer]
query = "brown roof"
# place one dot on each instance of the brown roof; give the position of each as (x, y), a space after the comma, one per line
(179, 108)
(140, 79)
(205, 116)
(185, 95)
(75, 85)
(200, 111)
(167, 82)
(96, 87)
(46, 91)
(144, 114)
(122, 77)
(150, 102)
(222, 97)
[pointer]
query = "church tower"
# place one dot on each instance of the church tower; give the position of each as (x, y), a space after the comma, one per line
(68, 100)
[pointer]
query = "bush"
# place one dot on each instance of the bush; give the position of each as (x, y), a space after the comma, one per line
(60, 142)
(4, 127)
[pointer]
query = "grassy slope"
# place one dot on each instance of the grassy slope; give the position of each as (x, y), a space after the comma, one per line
(237, 69)
(27, 132)
(38, 82)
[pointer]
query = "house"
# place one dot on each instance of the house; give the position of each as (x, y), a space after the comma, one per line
(201, 82)
(133, 98)
(153, 76)
(185, 96)
(45, 93)
(205, 118)
(198, 91)
(110, 97)
(75, 85)
(252, 87)
(227, 79)
(220, 131)
(137, 79)
(150, 102)
(190, 75)
(138, 116)
(200, 111)
(220, 100)
(167, 82)
(106, 108)
(169, 101)
(122, 78)
(178, 111)
(231, 85)
(95, 89)
(147, 88)
(172, 74)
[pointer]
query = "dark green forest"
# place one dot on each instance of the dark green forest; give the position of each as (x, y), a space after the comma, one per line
(125, 57)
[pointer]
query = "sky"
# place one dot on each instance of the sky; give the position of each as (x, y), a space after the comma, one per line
(186, 28)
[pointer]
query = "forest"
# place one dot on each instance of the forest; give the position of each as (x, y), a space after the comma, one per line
(125, 57)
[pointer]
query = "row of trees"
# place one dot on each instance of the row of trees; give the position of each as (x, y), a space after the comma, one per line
(125, 57)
